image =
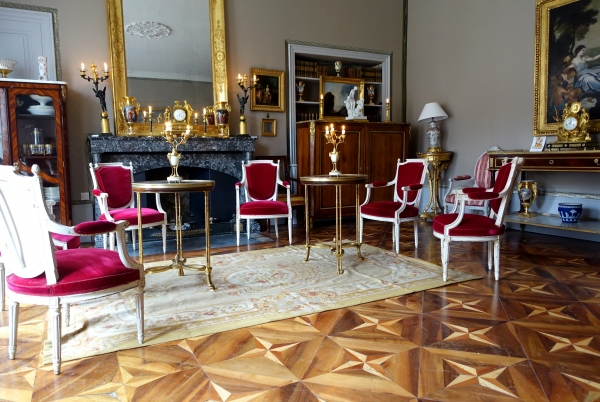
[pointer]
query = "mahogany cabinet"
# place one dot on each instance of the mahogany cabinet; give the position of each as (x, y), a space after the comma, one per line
(33, 130)
(369, 148)
(547, 161)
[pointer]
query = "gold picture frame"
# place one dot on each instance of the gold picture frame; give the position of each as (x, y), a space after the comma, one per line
(563, 74)
(335, 91)
(269, 94)
(268, 127)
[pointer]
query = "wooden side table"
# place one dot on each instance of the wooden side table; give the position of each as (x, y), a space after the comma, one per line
(338, 181)
(185, 186)
(438, 162)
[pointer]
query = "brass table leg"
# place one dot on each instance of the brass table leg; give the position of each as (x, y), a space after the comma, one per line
(307, 223)
(179, 260)
(357, 240)
(207, 268)
(339, 252)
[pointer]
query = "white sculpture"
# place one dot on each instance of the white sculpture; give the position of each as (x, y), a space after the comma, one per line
(354, 107)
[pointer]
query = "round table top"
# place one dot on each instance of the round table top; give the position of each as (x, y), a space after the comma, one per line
(325, 179)
(162, 186)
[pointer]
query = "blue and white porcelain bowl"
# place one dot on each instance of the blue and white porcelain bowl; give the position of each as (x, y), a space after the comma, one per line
(569, 211)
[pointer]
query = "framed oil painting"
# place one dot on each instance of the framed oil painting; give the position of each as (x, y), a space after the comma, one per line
(567, 62)
(269, 93)
(335, 91)
(269, 127)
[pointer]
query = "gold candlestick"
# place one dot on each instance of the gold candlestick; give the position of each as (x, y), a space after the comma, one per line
(387, 111)
(335, 140)
(175, 138)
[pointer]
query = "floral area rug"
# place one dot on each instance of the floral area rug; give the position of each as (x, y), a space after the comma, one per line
(253, 287)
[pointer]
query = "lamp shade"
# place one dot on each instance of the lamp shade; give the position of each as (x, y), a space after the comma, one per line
(433, 111)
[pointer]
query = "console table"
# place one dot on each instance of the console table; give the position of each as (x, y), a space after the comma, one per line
(551, 161)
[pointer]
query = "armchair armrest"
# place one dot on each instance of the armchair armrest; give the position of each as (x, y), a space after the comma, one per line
(473, 190)
(412, 187)
(482, 195)
(379, 183)
(463, 177)
(90, 228)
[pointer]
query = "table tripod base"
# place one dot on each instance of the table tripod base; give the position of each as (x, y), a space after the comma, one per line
(179, 265)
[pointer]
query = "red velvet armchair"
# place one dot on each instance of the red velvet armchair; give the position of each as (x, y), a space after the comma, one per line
(260, 179)
(472, 227)
(408, 185)
(482, 178)
(56, 278)
(114, 193)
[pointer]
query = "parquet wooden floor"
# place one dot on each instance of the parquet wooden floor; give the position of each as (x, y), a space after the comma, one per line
(534, 335)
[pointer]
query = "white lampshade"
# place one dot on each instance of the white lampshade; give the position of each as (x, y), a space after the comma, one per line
(433, 111)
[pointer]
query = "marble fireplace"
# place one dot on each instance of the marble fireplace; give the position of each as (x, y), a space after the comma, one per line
(218, 159)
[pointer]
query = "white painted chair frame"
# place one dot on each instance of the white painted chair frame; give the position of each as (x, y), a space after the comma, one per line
(28, 260)
(273, 197)
(492, 241)
(105, 209)
(396, 220)
(455, 184)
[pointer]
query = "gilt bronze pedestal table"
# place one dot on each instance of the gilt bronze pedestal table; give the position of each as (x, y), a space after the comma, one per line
(185, 186)
(338, 181)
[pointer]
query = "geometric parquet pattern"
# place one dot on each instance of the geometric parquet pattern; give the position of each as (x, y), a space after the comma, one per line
(534, 335)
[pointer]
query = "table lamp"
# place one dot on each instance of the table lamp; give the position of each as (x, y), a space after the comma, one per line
(434, 112)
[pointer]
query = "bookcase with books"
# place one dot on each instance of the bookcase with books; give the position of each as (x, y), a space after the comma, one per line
(306, 62)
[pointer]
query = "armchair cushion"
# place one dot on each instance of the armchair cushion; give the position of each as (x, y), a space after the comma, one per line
(285, 183)
(387, 209)
(71, 241)
(463, 177)
(83, 270)
(264, 208)
(130, 215)
(94, 227)
(471, 225)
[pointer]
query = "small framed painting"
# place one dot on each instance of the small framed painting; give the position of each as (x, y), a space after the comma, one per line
(269, 127)
(538, 144)
(269, 93)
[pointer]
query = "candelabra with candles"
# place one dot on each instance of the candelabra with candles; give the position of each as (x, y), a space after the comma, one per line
(175, 138)
(100, 94)
(243, 83)
(334, 139)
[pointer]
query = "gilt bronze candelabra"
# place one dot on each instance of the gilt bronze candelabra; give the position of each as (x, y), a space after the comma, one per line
(100, 93)
(243, 83)
(335, 140)
(175, 138)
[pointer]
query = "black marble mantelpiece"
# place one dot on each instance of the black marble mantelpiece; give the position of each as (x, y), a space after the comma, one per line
(224, 155)
(145, 153)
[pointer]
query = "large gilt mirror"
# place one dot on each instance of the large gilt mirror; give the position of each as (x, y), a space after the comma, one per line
(166, 52)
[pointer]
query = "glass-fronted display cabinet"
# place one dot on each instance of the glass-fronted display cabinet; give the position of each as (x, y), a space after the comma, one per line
(34, 131)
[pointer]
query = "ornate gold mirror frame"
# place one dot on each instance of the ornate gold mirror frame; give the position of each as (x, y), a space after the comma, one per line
(116, 43)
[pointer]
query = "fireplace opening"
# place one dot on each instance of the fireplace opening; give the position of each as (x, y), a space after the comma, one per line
(221, 199)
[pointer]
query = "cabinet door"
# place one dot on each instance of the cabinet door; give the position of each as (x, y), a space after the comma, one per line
(39, 138)
(385, 147)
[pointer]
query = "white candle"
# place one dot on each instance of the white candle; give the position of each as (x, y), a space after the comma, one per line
(195, 115)
(387, 101)
(105, 67)
(343, 129)
(321, 96)
(204, 112)
(82, 67)
(254, 79)
(150, 109)
(144, 114)
(327, 130)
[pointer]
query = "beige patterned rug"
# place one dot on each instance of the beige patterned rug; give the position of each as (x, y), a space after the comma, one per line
(253, 287)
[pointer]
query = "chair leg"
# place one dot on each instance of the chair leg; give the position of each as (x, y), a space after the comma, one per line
(139, 313)
(67, 313)
(104, 239)
(248, 227)
(290, 228)
(445, 253)
(490, 250)
(360, 229)
(397, 235)
(2, 287)
(497, 259)
(133, 236)
(276, 228)
(54, 312)
(111, 240)
(13, 325)
(164, 236)
(237, 228)
(416, 230)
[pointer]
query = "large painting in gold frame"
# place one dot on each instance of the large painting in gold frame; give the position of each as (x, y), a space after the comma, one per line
(567, 61)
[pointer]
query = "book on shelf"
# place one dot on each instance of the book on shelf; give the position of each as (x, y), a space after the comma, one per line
(306, 69)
